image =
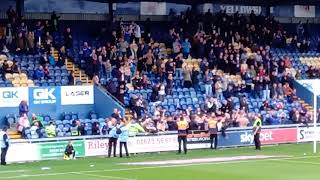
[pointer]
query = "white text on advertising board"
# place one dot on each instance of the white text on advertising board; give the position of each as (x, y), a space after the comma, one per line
(44, 96)
(248, 137)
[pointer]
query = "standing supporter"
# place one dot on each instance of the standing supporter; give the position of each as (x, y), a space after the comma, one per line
(186, 46)
(21, 44)
(4, 144)
(113, 138)
(68, 39)
(187, 83)
(123, 137)
(176, 47)
(23, 108)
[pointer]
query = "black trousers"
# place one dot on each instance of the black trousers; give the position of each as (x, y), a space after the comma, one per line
(215, 137)
(257, 142)
(182, 139)
(73, 153)
(3, 155)
(112, 143)
(125, 148)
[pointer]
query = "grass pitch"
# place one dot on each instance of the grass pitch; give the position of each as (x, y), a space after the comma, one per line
(298, 164)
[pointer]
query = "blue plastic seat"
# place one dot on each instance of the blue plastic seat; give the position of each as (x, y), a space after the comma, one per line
(74, 116)
(60, 134)
(64, 122)
(65, 129)
(93, 116)
(67, 116)
(60, 126)
(58, 122)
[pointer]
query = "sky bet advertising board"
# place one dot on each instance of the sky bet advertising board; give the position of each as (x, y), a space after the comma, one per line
(267, 136)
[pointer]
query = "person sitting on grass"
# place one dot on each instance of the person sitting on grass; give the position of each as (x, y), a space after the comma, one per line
(69, 153)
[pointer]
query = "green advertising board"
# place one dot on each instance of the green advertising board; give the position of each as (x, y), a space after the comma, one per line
(55, 150)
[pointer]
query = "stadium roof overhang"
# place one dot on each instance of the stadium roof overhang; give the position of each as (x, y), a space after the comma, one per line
(247, 2)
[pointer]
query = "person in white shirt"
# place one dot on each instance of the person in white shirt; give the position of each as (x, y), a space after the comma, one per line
(137, 33)
(4, 144)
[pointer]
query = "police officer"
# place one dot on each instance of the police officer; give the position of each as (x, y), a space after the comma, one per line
(113, 138)
(213, 131)
(256, 132)
(182, 134)
(4, 144)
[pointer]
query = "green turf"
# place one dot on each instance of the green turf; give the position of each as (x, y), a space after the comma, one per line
(299, 167)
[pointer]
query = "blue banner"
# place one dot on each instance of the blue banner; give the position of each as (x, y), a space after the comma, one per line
(44, 99)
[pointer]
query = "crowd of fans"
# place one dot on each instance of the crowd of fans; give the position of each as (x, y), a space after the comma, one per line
(20, 39)
(133, 58)
(236, 44)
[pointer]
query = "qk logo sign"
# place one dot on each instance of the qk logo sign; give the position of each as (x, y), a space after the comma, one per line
(44, 96)
(10, 94)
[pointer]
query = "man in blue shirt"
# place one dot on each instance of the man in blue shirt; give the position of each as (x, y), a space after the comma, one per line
(186, 46)
(113, 138)
(123, 137)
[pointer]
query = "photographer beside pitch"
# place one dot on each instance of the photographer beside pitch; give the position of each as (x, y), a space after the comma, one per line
(69, 152)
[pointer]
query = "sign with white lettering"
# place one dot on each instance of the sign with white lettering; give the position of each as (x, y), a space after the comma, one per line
(231, 9)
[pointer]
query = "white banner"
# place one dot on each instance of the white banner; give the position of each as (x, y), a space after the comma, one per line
(71, 95)
(308, 134)
(140, 144)
(231, 9)
(153, 8)
(11, 96)
(99, 147)
(304, 11)
(21, 152)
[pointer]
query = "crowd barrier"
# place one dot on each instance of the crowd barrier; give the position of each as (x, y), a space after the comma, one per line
(44, 149)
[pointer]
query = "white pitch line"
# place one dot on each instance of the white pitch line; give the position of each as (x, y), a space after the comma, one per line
(154, 167)
(13, 171)
(103, 176)
(299, 162)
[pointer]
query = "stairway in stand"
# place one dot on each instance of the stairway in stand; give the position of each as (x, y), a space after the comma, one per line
(79, 74)
(13, 134)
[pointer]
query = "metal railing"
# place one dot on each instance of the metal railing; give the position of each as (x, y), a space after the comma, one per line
(104, 90)
(57, 139)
